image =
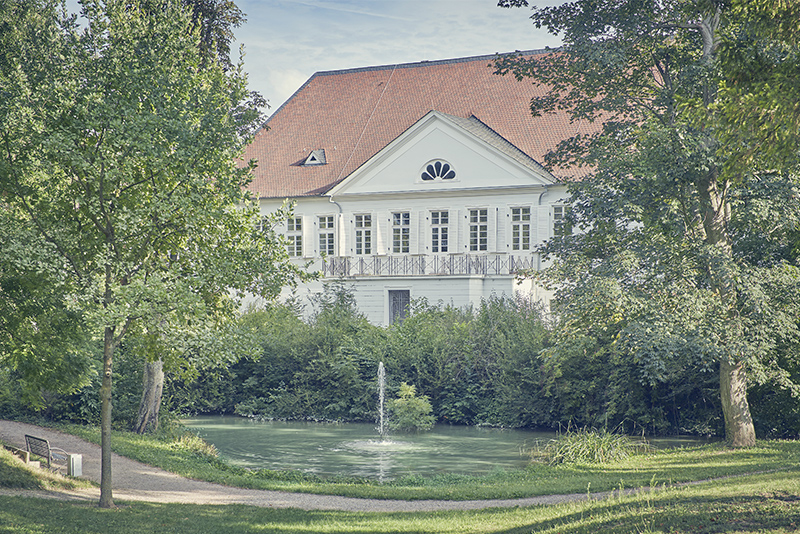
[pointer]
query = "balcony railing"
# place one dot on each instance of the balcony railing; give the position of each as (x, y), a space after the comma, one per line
(431, 265)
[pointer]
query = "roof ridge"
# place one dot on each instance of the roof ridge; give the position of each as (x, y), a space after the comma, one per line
(427, 63)
(416, 64)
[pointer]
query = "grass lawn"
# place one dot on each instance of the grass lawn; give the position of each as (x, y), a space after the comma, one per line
(14, 474)
(766, 503)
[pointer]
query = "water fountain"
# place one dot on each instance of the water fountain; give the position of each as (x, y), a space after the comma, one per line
(353, 449)
(381, 399)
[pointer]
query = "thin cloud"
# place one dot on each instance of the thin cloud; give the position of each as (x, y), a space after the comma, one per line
(344, 7)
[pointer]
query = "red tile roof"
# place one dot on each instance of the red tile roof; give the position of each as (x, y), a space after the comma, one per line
(352, 114)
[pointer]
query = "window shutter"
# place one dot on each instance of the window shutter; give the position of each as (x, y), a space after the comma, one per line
(341, 238)
(308, 235)
(504, 242)
(493, 220)
(460, 230)
(381, 232)
(419, 227)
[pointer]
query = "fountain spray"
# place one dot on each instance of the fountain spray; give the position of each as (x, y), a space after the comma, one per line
(381, 396)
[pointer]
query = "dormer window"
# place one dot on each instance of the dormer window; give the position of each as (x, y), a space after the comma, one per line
(438, 170)
(317, 157)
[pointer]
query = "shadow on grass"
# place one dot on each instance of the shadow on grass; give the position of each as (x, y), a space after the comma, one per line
(682, 511)
(764, 503)
(14, 477)
(13, 473)
(30, 515)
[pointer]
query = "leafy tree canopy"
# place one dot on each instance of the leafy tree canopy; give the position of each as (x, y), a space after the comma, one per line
(119, 154)
(685, 248)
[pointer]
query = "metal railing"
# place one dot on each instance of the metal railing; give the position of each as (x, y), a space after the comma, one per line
(432, 265)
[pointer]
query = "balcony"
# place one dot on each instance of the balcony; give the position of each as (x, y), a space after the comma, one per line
(426, 265)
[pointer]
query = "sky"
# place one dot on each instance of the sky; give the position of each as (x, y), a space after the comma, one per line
(287, 41)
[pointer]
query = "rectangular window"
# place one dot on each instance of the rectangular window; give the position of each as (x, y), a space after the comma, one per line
(399, 302)
(327, 236)
(521, 228)
(294, 235)
(440, 231)
(363, 234)
(560, 224)
(401, 232)
(478, 230)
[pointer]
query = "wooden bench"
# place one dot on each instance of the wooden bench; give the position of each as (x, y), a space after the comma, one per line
(41, 448)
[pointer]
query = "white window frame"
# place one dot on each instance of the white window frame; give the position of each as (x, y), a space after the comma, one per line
(326, 232)
(560, 225)
(294, 236)
(401, 232)
(440, 231)
(521, 228)
(363, 226)
(478, 229)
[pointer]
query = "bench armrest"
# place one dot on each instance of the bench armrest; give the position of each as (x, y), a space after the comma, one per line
(58, 454)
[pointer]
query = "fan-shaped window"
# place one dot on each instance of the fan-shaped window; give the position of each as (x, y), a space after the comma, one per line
(438, 170)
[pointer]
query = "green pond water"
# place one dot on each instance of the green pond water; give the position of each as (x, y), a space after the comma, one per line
(356, 449)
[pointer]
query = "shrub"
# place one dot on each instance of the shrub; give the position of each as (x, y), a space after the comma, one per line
(194, 444)
(410, 413)
(590, 446)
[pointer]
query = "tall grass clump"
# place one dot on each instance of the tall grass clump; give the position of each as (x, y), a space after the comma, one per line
(590, 446)
(194, 444)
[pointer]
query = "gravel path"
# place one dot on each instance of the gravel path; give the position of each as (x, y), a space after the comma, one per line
(134, 481)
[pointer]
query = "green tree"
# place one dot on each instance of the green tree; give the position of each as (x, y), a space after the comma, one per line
(758, 116)
(119, 151)
(214, 20)
(322, 369)
(42, 342)
(664, 259)
(409, 412)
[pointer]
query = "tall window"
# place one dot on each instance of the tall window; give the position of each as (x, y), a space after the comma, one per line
(401, 232)
(363, 234)
(440, 231)
(478, 230)
(327, 236)
(294, 235)
(264, 224)
(521, 228)
(399, 301)
(560, 224)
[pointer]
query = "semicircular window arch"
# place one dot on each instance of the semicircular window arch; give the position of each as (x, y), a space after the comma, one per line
(437, 169)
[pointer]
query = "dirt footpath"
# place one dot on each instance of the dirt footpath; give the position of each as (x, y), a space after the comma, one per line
(134, 481)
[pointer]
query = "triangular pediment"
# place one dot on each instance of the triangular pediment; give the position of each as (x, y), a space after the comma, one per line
(441, 153)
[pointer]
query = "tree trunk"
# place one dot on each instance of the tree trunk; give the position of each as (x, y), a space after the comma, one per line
(152, 387)
(739, 431)
(106, 498)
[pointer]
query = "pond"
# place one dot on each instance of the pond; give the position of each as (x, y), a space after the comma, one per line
(355, 449)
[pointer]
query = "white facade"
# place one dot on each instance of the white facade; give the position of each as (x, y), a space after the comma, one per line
(448, 211)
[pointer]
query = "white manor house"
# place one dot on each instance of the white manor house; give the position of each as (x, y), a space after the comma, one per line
(419, 180)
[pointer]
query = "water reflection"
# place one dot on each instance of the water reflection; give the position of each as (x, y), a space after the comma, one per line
(357, 450)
